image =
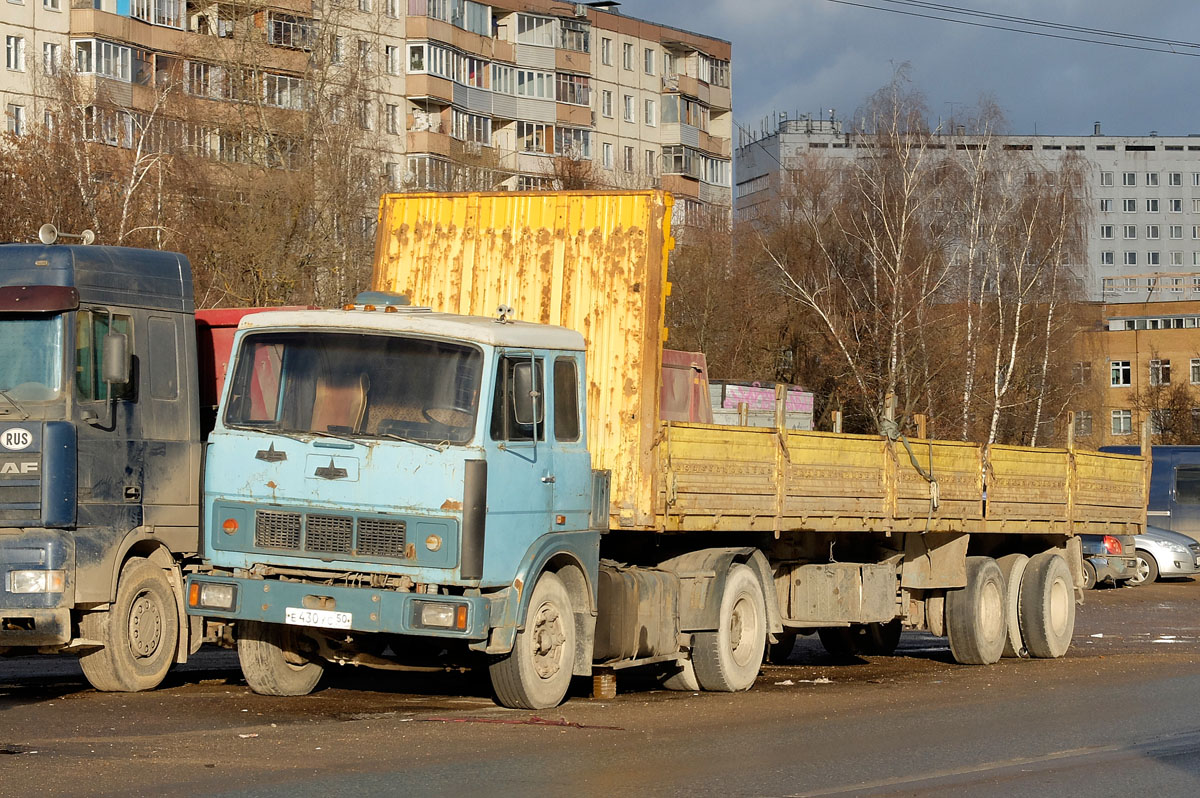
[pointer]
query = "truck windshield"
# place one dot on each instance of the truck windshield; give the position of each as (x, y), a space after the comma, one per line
(31, 349)
(354, 384)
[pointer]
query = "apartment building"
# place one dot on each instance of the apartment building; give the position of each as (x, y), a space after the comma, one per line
(1143, 235)
(454, 94)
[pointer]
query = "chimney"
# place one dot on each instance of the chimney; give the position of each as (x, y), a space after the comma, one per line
(1096, 129)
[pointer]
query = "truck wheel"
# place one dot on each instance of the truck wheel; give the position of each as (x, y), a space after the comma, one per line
(272, 661)
(140, 632)
(975, 621)
(879, 639)
(1013, 567)
(840, 642)
(1047, 606)
(728, 659)
(537, 673)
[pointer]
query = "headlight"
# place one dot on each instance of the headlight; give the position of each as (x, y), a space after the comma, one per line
(1174, 547)
(212, 595)
(37, 581)
(440, 615)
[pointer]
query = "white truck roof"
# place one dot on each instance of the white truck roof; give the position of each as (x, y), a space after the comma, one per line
(478, 329)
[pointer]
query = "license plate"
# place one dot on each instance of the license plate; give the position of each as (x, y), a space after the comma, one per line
(322, 618)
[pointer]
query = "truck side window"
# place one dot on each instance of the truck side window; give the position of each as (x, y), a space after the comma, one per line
(504, 426)
(566, 400)
(1187, 484)
(90, 329)
(164, 377)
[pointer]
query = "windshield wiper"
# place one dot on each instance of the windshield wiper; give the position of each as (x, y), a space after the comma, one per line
(14, 403)
(440, 446)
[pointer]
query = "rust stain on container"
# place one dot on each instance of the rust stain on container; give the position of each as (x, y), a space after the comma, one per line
(451, 506)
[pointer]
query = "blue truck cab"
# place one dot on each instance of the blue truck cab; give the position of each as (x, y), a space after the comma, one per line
(380, 477)
(100, 457)
(1174, 501)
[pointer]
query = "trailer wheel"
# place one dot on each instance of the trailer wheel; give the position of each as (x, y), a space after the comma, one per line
(975, 619)
(684, 679)
(879, 639)
(1013, 567)
(841, 642)
(779, 653)
(140, 632)
(1047, 606)
(728, 659)
(537, 672)
(272, 660)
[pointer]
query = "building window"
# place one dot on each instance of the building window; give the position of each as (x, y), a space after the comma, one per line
(1152, 259)
(627, 160)
(535, 30)
(1130, 285)
(1129, 178)
(51, 57)
(51, 5)
(1176, 258)
(364, 6)
(1195, 369)
(14, 53)
(1176, 285)
(98, 57)
(1130, 232)
(1083, 422)
(606, 155)
(627, 56)
(364, 53)
(1152, 232)
(651, 116)
(1130, 259)
(606, 51)
(1106, 179)
(648, 61)
(531, 137)
(628, 108)
(392, 115)
(1176, 231)
(284, 91)
(1106, 286)
(1107, 231)
(1081, 372)
(1152, 206)
(364, 114)
(1106, 205)
(472, 128)
(393, 59)
(285, 30)
(574, 35)
(651, 163)
(1107, 258)
(1122, 422)
(1152, 178)
(1160, 372)
(1129, 205)
(1120, 373)
(573, 89)
(394, 10)
(573, 142)
(606, 103)
(16, 119)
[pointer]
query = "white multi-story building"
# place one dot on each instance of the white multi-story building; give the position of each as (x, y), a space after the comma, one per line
(1143, 232)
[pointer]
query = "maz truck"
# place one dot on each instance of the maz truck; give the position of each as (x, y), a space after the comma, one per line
(108, 382)
(487, 475)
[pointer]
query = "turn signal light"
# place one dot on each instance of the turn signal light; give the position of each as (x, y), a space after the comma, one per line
(460, 617)
(1112, 545)
(230, 526)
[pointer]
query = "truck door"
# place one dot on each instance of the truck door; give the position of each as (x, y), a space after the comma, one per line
(1185, 500)
(572, 461)
(521, 472)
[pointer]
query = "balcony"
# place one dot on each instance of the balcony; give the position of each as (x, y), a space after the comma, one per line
(425, 141)
(431, 87)
(573, 115)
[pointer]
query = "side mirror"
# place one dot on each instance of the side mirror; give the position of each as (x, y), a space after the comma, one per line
(116, 359)
(527, 399)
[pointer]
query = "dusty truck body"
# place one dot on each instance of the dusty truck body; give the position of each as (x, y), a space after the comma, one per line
(599, 536)
(101, 428)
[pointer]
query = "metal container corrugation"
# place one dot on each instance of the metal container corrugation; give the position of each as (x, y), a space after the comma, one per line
(594, 262)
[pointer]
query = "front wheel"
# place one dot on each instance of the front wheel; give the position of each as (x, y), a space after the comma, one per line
(728, 659)
(273, 660)
(140, 632)
(537, 672)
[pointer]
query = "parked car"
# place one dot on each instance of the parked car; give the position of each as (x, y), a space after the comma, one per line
(1163, 553)
(1108, 559)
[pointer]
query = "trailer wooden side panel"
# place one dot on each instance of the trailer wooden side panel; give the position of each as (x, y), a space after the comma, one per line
(594, 262)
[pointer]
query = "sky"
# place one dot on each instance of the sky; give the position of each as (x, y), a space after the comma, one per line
(809, 56)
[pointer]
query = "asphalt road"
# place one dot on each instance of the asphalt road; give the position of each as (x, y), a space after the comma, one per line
(1117, 716)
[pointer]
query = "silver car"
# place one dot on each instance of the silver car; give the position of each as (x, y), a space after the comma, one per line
(1161, 552)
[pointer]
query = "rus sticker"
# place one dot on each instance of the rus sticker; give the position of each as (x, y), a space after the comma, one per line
(16, 439)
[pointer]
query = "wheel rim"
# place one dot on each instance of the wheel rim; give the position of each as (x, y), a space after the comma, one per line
(548, 639)
(1058, 611)
(1141, 572)
(743, 630)
(991, 611)
(145, 625)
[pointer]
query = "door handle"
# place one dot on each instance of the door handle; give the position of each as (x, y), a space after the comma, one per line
(549, 478)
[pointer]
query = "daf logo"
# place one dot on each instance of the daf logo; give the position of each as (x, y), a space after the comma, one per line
(21, 469)
(16, 440)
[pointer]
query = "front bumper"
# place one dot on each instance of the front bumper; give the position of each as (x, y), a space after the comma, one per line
(370, 609)
(34, 627)
(1177, 563)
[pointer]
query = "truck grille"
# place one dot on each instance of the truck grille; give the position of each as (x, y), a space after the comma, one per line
(329, 534)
